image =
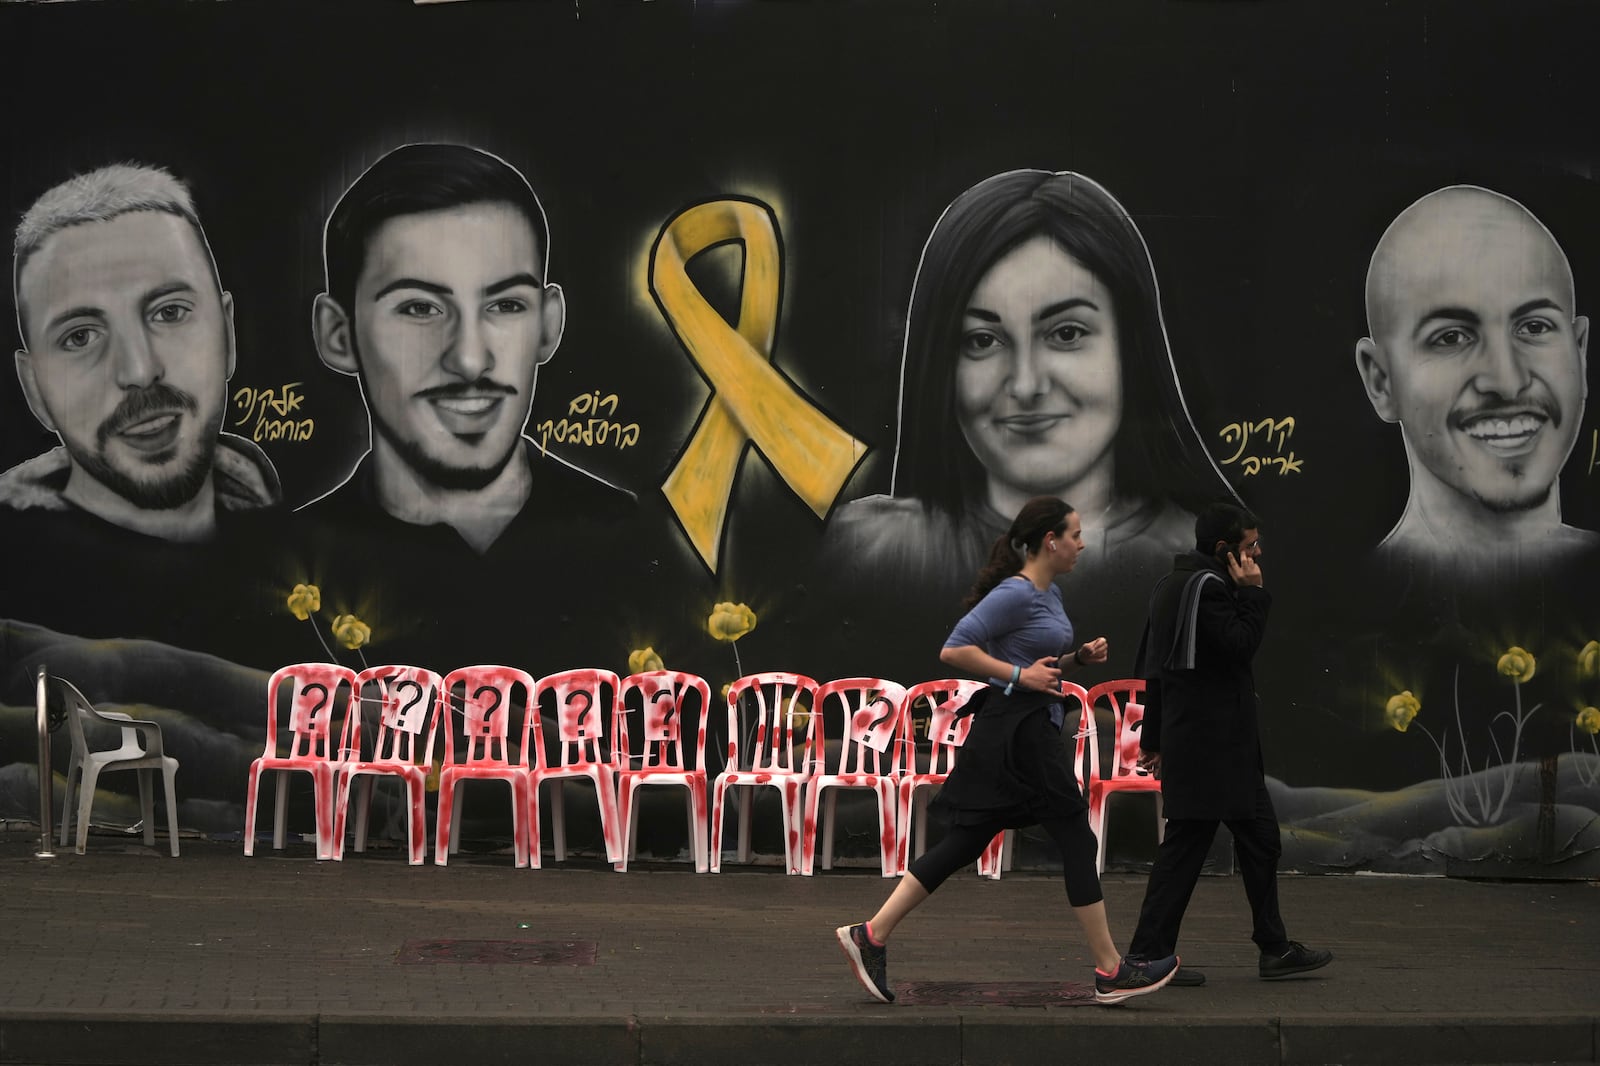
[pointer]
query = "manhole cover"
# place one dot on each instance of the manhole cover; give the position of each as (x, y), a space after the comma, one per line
(994, 993)
(524, 952)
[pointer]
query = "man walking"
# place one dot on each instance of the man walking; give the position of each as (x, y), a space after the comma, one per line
(1201, 737)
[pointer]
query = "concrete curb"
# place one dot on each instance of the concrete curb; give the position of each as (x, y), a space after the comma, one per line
(986, 1037)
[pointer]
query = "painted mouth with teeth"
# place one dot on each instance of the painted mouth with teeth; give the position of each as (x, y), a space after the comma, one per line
(1505, 433)
(468, 412)
(466, 405)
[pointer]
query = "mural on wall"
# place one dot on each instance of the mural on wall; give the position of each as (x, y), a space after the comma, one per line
(1036, 363)
(127, 348)
(472, 369)
(1477, 351)
(751, 402)
(127, 344)
(438, 300)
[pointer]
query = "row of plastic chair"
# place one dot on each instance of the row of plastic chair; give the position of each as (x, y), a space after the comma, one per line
(946, 732)
(472, 710)
(622, 734)
(879, 746)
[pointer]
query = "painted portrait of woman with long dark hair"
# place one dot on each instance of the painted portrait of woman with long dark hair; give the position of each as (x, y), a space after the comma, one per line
(1036, 363)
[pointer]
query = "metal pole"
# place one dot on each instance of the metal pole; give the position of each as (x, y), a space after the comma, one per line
(42, 721)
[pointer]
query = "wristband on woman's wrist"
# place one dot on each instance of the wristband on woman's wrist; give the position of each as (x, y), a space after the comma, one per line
(1016, 675)
(1077, 656)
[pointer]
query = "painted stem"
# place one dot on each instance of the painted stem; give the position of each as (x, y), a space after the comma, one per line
(1589, 780)
(332, 658)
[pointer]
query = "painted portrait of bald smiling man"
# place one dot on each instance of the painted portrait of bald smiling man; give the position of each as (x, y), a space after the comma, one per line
(1477, 352)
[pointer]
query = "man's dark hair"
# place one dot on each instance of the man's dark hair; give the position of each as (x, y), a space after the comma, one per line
(412, 180)
(1222, 521)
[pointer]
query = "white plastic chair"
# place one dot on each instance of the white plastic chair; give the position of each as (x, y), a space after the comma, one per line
(583, 704)
(140, 750)
(490, 698)
(312, 692)
(871, 731)
(409, 700)
(652, 750)
(780, 706)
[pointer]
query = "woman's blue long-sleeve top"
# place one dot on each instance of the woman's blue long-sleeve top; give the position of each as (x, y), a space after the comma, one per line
(1019, 623)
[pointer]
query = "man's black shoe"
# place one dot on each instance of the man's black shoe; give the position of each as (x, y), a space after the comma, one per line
(1295, 958)
(1188, 977)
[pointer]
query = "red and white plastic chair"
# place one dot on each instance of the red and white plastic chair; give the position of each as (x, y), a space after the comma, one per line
(870, 712)
(946, 733)
(651, 709)
(768, 715)
(485, 701)
(315, 693)
(408, 702)
(1125, 776)
(583, 703)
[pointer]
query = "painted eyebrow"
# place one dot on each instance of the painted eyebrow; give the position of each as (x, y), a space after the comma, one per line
(1541, 304)
(512, 282)
(1450, 314)
(1065, 305)
(411, 283)
(168, 289)
(71, 313)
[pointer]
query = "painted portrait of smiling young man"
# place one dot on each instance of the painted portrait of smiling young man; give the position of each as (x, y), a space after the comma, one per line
(127, 350)
(1477, 351)
(438, 302)
(127, 347)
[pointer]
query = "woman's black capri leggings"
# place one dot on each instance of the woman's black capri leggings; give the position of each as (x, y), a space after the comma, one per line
(962, 844)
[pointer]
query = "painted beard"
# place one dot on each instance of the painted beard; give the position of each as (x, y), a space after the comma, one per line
(1509, 504)
(1496, 427)
(437, 472)
(176, 478)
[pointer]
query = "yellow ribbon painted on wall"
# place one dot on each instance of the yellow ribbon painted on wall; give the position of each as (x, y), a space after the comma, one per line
(750, 400)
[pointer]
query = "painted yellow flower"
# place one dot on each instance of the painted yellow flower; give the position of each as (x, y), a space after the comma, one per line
(1518, 664)
(730, 621)
(350, 631)
(643, 659)
(1589, 720)
(305, 601)
(1400, 710)
(1589, 660)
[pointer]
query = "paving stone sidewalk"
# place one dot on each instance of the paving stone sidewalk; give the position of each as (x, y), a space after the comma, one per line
(125, 955)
